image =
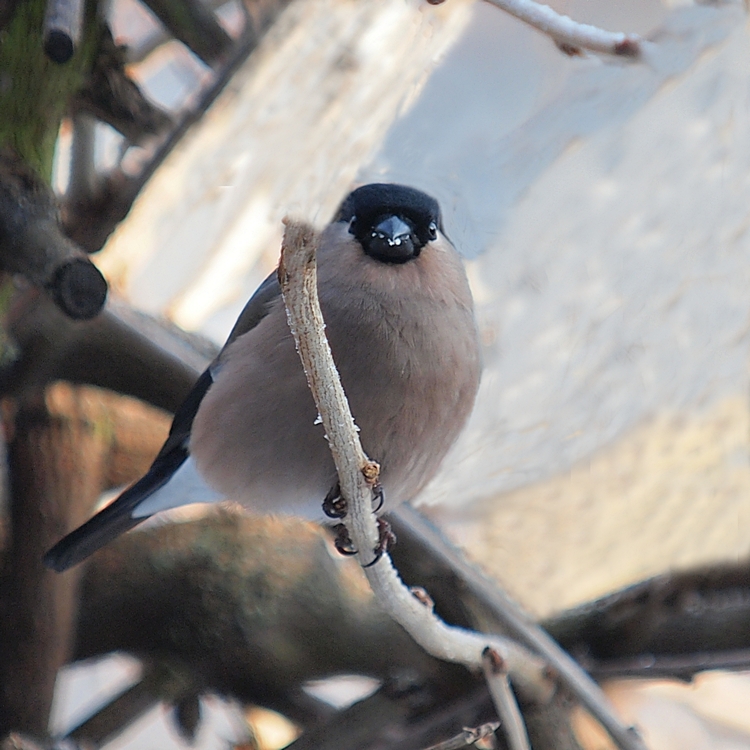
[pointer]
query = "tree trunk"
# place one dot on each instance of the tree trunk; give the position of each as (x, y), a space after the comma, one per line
(66, 448)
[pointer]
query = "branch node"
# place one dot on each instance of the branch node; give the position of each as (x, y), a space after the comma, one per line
(371, 472)
(628, 47)
(422, 597)
(496, 674)
(551, 673)
(494, 661)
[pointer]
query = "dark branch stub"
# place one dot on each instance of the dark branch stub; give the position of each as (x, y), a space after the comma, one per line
(58, 46)
(78, 288)
(110, 95)
(63, 26)
(33, 244)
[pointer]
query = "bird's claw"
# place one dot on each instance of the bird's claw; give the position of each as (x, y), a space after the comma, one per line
(344, 545)
(342, 541)
(378, 497)
(334, 505)
(386, 540)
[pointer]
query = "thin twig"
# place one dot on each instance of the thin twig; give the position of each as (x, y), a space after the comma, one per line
(113, 204)
(84, 179)
(114, 717)
(468, 737)
(298, 278)
(496, 675)
(521, 626)
(570, 35)
(679, 666)
(195, 25)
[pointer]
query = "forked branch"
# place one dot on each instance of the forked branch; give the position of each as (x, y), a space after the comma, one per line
(357, 474)
(297, 275)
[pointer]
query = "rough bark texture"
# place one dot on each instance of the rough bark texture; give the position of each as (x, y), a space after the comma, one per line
(121, 349)
(55, 476)
(65, 448)
(252, 606)
(32, 242)
(36, 91)
(682, 614)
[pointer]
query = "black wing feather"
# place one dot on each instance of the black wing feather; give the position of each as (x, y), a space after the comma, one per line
(257, 308)
(113, 520)
(117, 517)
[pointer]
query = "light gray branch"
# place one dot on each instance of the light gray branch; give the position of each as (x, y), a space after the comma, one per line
(570, 35)
(298, 278)
(522, 627)
(505, 702)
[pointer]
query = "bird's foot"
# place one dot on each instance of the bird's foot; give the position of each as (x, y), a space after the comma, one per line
(385, 541)
(342, 541)
(344, 545)
(334, 505)
(378, 497)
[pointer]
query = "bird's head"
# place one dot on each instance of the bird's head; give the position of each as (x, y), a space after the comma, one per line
(391, 222)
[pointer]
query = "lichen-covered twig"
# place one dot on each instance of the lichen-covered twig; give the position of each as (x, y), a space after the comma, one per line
(297, 275)
(298, 279)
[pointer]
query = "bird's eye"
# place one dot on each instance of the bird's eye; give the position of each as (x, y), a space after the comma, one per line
(432, 229)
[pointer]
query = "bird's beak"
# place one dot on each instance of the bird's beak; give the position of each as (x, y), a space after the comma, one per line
(392, 240)
(393, 229)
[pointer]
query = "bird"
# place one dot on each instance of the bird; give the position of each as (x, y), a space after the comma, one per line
(400, 322)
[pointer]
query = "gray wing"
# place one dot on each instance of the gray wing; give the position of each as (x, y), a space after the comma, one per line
(118, 517)
(257, 307)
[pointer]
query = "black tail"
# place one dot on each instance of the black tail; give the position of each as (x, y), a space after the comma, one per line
(116, 518)
(87, 539)
(106, 525)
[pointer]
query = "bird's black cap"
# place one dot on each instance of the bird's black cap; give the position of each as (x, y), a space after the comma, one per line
(369, 202)
(367, 206)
